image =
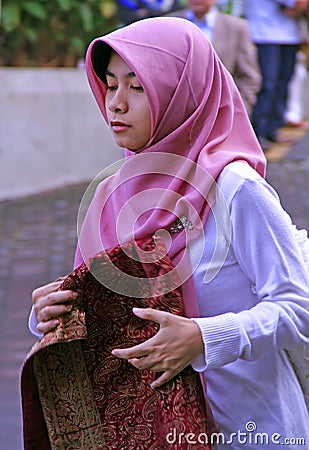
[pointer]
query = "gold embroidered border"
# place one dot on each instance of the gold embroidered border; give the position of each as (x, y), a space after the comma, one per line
(70, 412)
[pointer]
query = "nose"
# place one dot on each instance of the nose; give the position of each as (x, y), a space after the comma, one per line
(118, 103)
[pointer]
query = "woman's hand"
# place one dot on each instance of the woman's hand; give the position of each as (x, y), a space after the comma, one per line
(300, 8)
(174, 347)
(49, 304)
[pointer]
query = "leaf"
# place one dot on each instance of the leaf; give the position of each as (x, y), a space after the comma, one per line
(31, 34)
(78, 45)
(65, 5)
(108, 9)
(10, 16)
(34, 9)
(86, 17)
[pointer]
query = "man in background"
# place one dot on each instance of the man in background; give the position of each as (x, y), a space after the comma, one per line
(230, 37)
(129, 11)
(276, 31)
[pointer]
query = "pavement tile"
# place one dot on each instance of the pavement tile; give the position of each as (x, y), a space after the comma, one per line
(37, 240)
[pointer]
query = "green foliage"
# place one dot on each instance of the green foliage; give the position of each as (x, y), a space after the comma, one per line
(226, 6)
(51, 32)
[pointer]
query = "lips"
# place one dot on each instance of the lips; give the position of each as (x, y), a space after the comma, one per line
(118, 126)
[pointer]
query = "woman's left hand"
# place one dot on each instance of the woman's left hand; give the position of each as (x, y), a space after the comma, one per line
(174, 347)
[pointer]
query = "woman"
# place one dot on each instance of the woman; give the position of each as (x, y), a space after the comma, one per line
(191, 156)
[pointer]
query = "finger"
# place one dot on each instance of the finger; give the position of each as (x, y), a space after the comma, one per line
(52, 311)
(155, 315)
(138, 351)
(46, 289)
(59, 279)
(46, 327)
(140, 363)
(147, 363)
(164, 378)
(54, 298)
(59, 297)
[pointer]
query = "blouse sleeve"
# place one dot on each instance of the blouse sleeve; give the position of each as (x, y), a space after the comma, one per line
(32, 324)
(265, 247)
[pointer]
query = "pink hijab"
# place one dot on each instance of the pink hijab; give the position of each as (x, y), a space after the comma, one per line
(199, 125)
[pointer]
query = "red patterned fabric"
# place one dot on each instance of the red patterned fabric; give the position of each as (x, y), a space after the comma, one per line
(76, 394)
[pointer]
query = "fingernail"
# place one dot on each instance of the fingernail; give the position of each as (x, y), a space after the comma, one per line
(137, 310)
(74, 295)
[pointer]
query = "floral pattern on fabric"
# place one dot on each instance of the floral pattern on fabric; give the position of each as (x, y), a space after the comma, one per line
(93, 400)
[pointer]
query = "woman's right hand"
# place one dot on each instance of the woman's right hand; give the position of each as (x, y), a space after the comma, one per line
(49, 304)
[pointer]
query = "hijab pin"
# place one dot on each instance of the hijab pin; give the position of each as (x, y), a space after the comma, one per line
(180, 224)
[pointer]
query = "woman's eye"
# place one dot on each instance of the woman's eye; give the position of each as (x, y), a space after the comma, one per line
(137, 88)
(111, 88)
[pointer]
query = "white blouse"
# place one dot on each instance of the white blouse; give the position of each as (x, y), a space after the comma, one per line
(254, 307)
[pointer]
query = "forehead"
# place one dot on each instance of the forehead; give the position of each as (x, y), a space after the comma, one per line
(118, 66)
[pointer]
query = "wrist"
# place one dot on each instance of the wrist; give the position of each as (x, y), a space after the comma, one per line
(197, 341)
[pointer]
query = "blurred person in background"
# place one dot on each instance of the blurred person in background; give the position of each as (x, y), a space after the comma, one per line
(294, 114)
(130, 11)
(230, 37)
(276, 31)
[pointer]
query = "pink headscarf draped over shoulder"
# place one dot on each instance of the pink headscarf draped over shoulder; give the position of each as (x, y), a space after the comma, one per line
(199, 125)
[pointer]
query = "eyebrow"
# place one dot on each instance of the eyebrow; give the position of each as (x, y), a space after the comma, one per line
(128, 75)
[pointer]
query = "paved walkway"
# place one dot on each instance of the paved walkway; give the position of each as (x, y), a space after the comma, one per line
(37, 236)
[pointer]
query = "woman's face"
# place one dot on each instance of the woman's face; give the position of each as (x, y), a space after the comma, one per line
(127, 106)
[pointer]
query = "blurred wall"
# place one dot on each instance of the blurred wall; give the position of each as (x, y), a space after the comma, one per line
(51, 131)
